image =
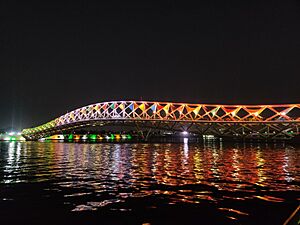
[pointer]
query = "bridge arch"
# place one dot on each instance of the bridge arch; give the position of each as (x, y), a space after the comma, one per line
(216, 119)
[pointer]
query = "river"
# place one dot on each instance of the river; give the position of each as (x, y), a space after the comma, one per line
(148, 183)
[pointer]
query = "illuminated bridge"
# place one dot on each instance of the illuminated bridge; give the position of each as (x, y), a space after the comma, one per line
(241, 121)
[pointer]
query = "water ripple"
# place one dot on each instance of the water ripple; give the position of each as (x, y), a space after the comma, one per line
(93, 176)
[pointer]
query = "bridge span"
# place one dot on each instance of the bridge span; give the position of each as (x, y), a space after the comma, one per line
(242, 121)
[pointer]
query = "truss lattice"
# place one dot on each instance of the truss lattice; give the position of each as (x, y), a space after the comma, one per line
(222, 120)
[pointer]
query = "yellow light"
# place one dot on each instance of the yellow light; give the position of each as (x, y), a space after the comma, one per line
(77, 137)
(99, 137)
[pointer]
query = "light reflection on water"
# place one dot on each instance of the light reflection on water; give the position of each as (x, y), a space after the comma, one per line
(92, 176)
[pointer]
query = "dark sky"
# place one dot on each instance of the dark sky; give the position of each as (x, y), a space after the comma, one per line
(59, 55)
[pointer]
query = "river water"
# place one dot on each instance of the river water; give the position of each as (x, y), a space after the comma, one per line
(148, 183)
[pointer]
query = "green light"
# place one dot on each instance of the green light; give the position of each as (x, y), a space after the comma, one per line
(129, 136)
(112, 137)
(12, 138)
(93, 136)
(70, 137)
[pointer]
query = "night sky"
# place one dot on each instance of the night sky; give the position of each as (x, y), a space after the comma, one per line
(56, 56)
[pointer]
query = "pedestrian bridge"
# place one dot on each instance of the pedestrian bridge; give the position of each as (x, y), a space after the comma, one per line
(245, 121)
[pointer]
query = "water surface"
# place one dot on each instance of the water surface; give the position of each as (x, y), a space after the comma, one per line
(136, 183)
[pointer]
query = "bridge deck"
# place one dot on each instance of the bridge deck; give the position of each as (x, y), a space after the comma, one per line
(264, 120)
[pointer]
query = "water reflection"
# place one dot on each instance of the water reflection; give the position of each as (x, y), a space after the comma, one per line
(100, 175)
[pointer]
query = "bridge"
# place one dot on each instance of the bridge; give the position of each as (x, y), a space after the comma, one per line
(241, 121)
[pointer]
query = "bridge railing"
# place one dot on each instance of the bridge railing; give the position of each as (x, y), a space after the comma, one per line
(168, 111)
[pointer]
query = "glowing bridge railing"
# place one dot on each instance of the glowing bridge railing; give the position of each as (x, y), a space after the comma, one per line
(181, 116)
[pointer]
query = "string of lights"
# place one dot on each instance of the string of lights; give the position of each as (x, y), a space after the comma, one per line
(182, 113)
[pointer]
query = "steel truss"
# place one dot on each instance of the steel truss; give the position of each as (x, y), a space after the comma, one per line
(245, 121)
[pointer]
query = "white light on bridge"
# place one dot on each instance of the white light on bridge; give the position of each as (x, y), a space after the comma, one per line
(208, 136)
(84, 137)
(185, 133)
